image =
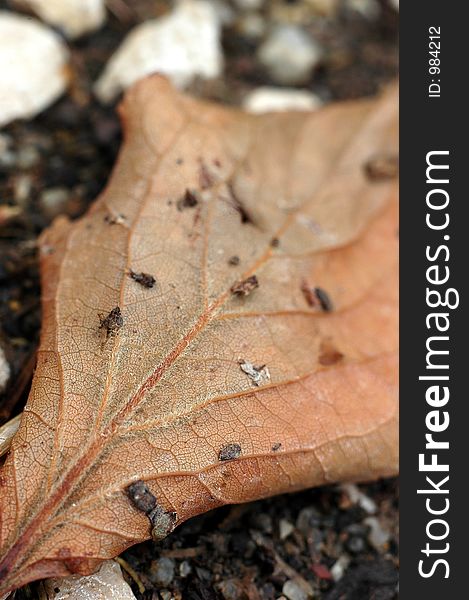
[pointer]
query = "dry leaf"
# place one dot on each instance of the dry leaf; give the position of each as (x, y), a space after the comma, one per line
(154, 392)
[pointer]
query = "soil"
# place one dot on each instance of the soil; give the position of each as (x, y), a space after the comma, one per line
(57, 164)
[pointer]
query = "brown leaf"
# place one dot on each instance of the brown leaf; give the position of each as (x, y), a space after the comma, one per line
(140, 384)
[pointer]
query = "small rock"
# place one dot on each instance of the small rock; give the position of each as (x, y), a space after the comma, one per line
(106, 584)
(27, 157)
(262, 521)
(378, 537)
(182, 45)
(53, 201)
(339, 567)
(249, 4)
(4, 370)
(324, 8)
(307, 518)
(289, 55)
(358, 497)
(33, 67)
(185, 568)
(285, 529)
(162, 571)
(7, 156)
(293, 591)
(73, 17)
(270, 99)
(369, 9)
(251, 25)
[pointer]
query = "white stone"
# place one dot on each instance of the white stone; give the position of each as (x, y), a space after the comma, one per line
(33, 67)
(369, 9)
(285, 529)
(181, 45)
(358, 497)
(271, 99)
(106, 584)
(339, 567)
(378, 536)
(4, 370)
(249, 4)
(289, 55)
(73, 17)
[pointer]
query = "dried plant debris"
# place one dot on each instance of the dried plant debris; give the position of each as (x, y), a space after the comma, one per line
(229, 452)
(246, 286)
(162, 522)
(309, 294)
(236, 203)
(382, 167)
(328, 354)
(141, 496)
(112, 322)
(189, 200)
(143, 279)
(324, 299)
(316, 297)
(258, 375)
(118, 219)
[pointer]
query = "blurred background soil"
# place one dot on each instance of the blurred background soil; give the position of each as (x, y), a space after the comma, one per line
(334, 543)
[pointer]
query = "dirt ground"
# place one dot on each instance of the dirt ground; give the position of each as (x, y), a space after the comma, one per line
(318, 543)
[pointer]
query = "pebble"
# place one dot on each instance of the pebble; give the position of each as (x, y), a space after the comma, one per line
(33, 67)
(251, 25)
(285, 529)
(185, 568)
(73, 17)
(271, 99)
(369, 9)
(4, 370)
(182, 45)
(339, 567)
(289, 55)
(293, 591)
(105, 584)
(162, 571)
(378, 536)
(53, 201)
(358, 497)
(7, 156)
(249, 4)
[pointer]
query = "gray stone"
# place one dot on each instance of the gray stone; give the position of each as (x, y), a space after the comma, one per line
(289, 55)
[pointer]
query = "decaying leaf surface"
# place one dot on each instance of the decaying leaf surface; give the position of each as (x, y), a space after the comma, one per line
(160, 396)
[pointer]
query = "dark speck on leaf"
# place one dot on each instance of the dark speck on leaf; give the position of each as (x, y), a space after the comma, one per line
(275, 242)
(276, 446)
(143, 279)
(234, 261)
(245, 287)
(324, 300)
(229, 452)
